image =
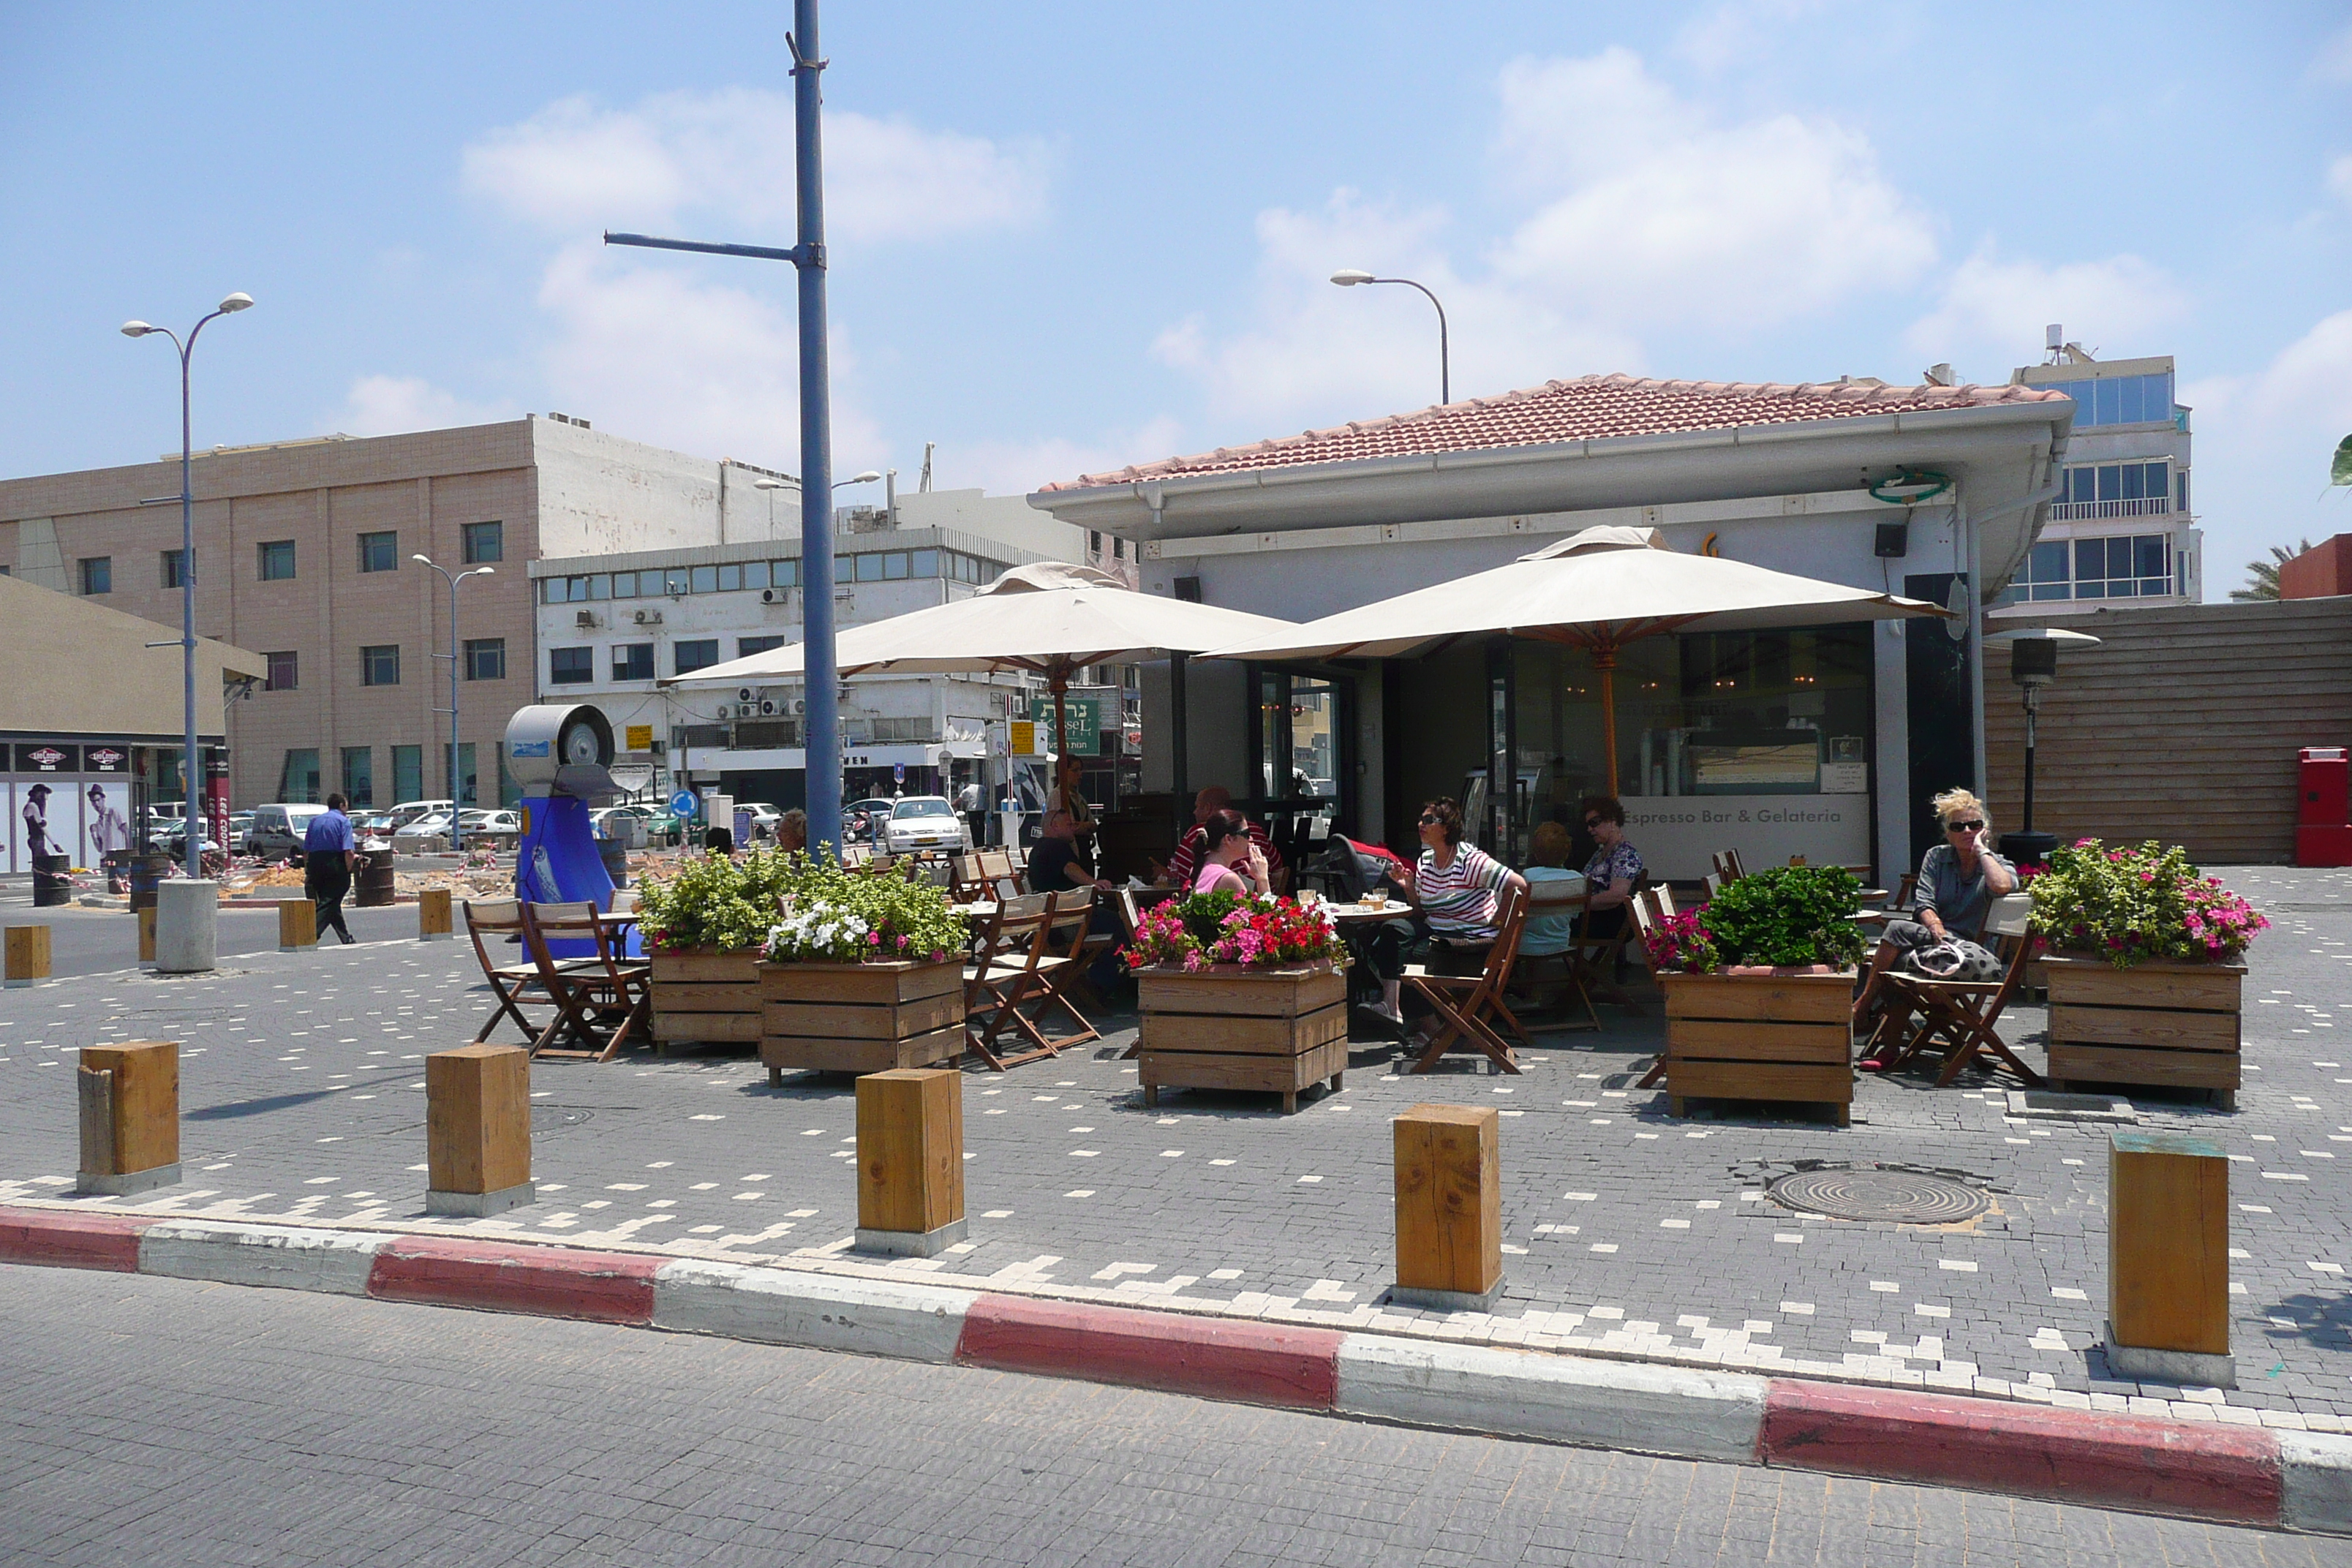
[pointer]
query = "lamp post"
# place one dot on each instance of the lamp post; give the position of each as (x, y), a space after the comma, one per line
(1350, 276)
(808, 260)
(2033, 664)
(190, 763)
(456, 838)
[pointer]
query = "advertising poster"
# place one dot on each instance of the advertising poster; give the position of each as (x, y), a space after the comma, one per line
(9, 860)
(41, 809)
(105, 820)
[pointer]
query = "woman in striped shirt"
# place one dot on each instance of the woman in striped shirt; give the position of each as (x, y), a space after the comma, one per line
(1454, 889)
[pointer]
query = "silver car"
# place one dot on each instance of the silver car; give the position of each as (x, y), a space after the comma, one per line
(924, 823)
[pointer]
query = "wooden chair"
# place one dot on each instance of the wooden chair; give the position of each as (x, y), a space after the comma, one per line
(1596, 959)
(1467, 1005)
(1650, 908)
(515, 986)
(1013, 968)
(1728, 866)
(965, 882)
(1957, 1017)
(996, 869)
(1534, 971)
(606, 989)
(1714, 885)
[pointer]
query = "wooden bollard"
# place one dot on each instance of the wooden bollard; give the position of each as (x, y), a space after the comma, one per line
(2168, 1259)
(433, 915)
(146, 934)
(477, 1130)
(130, 1117)
(910, 1161)
(298, 924)
(1449, 1208)
(27, 955)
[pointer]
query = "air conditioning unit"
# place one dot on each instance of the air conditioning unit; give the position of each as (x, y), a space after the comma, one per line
(767, 709)
(648, 617)
(743, 694)
(799, 704)
(584, 619)
(772, 595)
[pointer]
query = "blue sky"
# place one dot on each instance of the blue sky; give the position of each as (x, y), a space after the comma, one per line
(1072, 237)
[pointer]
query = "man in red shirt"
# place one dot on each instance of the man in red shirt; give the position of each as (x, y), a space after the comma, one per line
(1185, 864)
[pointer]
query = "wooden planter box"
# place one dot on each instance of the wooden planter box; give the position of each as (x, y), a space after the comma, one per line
(1761, 1036)
(2162, 1024)
(859, 1018)
(703, 995)
(1273, 1030)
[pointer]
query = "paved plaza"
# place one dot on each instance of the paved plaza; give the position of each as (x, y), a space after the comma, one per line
(1628, 1232)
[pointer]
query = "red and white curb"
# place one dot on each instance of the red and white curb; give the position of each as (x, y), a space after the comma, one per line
(2239, 1475)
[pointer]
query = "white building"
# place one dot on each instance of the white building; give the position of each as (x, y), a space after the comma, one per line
(2121, 525)
(611, 626)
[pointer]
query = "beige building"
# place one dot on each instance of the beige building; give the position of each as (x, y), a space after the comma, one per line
(303, 554)
(81, 755)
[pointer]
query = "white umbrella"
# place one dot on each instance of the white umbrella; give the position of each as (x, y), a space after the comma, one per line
(1049, 619)
(1597, 590)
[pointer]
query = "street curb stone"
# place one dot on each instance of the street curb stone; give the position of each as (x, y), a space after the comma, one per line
(2242, 1475)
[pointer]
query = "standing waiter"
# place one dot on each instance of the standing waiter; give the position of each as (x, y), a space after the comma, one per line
(326, 863)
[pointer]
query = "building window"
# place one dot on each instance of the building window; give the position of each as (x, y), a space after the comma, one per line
(926, 564)
(2118, 399)
(359, 774)
(1094, 543)
(285, 672)
(98, 573)
(299, 781)
(633, 661)
(705, 579)
(380, 552)
(486, 659)
(730, 578)
(570, 665)
(278, 561)
(1117, 549)
(783, 574)
(2130, 567)
(407, 774)
(173, 575)
(2114, 489)
(484, 542)
(465, 792)
(380, 664)
(746, 647)
(697, 653)
(755, 574)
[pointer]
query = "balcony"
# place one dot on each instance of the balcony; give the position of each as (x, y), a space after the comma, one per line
(2091, 510)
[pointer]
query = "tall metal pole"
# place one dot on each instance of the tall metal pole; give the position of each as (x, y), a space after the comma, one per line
(192, 841)
(822, 674)
(820, 666)
(456, 837)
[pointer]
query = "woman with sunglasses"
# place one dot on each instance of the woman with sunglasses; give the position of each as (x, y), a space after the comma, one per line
(1958, 880)
(1452, 890)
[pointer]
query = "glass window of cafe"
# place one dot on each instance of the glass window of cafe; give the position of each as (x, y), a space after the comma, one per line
(1711, 713)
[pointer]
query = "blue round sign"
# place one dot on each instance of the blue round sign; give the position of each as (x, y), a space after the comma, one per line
(683, 803)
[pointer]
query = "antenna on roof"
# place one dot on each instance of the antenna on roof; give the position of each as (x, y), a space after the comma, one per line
(923, 486)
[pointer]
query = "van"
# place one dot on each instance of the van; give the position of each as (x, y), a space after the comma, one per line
(277, 829)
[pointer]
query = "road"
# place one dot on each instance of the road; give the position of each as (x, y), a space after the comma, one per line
(158, 1420)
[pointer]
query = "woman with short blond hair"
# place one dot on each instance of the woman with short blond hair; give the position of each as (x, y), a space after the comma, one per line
(1958, 880)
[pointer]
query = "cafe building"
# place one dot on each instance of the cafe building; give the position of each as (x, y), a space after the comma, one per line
(1825, 741)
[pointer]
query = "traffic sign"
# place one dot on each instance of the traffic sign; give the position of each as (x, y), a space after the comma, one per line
(683, 803)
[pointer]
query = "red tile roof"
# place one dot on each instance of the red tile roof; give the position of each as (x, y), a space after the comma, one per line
(1589, 407)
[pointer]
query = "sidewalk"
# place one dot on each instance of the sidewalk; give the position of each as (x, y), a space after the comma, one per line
(1629, 1233)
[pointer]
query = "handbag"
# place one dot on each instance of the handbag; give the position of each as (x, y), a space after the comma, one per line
(1953, 958)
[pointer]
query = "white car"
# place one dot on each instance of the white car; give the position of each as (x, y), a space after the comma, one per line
(924, 822)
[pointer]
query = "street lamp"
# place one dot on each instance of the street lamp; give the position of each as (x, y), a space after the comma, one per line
(190, 765)
(790, 483)
(456, 838)
(2033, 664)
(1350, 276)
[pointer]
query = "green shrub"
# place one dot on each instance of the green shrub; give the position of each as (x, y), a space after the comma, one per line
(714, 902)
(1788, 915)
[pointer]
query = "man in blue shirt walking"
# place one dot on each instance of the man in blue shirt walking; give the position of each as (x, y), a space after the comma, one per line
(326, 865)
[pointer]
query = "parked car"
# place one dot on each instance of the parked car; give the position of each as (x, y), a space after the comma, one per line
(277, 829)
(924, 823)
(408, 811)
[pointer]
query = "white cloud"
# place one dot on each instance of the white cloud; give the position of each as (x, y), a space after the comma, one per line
(1642, 212)
(2263, 441)
(1997, 307)
(728, 155)
(393, 405)
(1018, 467)
(1736, 33)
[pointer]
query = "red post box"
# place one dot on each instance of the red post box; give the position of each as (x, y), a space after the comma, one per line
(2325, 778)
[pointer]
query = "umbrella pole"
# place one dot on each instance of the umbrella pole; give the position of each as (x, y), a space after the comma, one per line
(1061, 735)
(1604, 660)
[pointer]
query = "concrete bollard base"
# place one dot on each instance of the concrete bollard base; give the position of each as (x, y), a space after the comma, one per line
(1446, 1300)
(187, 922)
(2190, 1369)
(481, 1206)
(91, 1184)
(912, 1243)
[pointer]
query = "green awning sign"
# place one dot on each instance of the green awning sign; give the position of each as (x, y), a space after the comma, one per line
(1085, 720)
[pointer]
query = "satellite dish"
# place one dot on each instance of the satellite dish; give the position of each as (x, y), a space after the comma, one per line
(633, 776)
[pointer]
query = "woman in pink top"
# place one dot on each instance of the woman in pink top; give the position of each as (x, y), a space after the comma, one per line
(1231, 861)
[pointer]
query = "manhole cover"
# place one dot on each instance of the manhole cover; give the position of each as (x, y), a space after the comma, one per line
(556, 1118)
(1902, 1197)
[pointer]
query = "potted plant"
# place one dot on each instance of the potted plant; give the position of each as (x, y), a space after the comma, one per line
(1239, 994)
(704, 925)
(863, 973)
(1759, 989)
(2145, 968)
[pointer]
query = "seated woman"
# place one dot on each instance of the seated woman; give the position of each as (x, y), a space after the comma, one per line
(1547, 872)
(1231, 860)
(1616, 870)
(1958, 880)
(1452, 889)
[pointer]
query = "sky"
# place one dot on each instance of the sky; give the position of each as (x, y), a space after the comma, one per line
(1066, 238)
